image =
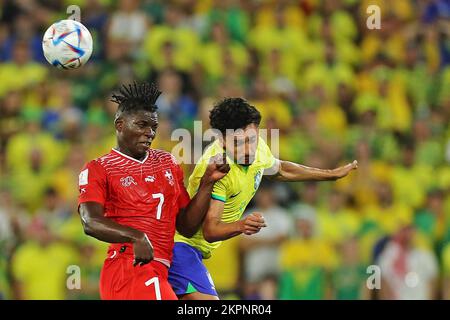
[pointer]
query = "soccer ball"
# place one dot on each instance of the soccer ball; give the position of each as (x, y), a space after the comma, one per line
(67, 44)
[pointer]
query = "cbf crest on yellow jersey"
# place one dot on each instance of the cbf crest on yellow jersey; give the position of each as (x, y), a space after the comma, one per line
(236, 189)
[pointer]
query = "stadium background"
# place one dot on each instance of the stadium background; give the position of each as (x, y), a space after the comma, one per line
(336, 90)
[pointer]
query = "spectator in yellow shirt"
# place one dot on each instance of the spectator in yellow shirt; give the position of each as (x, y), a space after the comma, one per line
(21, 72)
(39, 265)
(306, 261)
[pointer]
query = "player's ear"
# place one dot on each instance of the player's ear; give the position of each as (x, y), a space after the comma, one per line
(118, 123)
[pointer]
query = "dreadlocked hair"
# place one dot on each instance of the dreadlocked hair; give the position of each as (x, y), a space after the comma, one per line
(136, 96)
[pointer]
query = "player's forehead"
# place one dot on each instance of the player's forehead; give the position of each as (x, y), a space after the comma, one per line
(143, 115)
(249, 131)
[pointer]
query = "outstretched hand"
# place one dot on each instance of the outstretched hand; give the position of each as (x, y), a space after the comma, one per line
(345, 170)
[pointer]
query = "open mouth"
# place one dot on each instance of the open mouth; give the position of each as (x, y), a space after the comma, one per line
(146, 143)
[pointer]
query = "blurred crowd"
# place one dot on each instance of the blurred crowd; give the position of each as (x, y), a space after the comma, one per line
(335, 89)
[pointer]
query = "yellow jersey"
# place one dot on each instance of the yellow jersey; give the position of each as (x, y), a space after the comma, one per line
(236, 189)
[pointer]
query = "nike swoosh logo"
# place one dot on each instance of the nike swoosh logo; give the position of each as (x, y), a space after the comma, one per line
(234, 195)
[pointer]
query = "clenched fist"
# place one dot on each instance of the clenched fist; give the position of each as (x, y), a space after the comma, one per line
(216, 169)
(252, 223)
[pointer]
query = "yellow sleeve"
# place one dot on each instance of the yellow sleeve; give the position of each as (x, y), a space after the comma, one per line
(220, 191)
(269, 162)
(194, 179)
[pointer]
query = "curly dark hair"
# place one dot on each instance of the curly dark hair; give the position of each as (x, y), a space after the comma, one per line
(233, 113)
(136, 96)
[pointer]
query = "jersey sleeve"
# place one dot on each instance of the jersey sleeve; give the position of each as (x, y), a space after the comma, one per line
(220, 191)
(270, 163)
(92, 183)
(183, 199)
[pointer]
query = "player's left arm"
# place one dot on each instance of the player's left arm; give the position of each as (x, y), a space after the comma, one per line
(290, 171)
(190, 218)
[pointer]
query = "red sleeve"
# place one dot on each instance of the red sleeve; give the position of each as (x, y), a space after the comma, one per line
(92, 183)
(183, 199)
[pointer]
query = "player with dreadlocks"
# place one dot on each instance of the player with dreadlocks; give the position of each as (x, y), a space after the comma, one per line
(134, 198)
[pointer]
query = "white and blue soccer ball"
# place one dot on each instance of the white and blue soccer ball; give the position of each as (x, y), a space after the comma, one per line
(67, 44)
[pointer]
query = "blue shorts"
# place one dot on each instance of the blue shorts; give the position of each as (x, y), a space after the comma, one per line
(187, 273)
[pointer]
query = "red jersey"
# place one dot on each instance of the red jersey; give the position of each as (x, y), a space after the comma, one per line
(146, 195)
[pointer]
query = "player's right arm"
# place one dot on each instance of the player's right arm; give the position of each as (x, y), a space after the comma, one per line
(214, 229)
(93, 186)
(104, 229)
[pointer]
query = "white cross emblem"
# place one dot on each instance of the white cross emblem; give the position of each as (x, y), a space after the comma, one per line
(127, 181)
(168, 175)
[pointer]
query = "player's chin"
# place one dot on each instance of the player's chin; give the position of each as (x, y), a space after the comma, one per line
(143, 147)
(246, 161)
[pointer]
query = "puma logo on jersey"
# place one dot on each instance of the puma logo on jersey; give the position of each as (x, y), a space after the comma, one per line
(149, 179)
(127, 181)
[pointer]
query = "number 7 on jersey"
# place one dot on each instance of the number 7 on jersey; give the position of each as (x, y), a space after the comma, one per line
(159, 196)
